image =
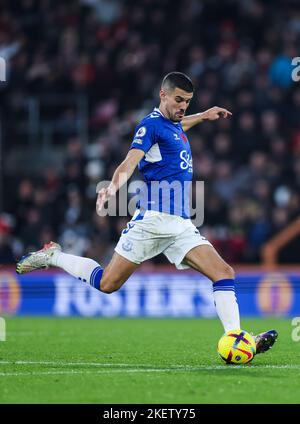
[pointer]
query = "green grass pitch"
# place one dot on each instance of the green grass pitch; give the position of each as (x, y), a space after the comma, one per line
(95, 360)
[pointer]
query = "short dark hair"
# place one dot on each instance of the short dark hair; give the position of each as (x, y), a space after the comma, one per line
(179, 80)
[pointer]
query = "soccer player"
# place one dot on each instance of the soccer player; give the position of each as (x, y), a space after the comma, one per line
(161, 223)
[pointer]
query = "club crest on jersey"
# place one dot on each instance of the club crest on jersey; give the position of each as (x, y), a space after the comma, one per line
(141, 132)
(127, 246)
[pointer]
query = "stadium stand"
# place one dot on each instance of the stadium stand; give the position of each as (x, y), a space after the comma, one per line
(82, 73)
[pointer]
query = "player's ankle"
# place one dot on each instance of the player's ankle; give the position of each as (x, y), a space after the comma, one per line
(53, 260)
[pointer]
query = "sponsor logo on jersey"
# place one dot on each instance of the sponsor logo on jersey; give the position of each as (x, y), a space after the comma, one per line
(187, 161)
(176, 136)
(138, 141)
(141, 132)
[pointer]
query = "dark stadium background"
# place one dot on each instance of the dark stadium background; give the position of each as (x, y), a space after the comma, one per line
(82, 73)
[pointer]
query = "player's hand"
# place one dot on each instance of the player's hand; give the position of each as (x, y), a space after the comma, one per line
(215, 113)
(103, 196)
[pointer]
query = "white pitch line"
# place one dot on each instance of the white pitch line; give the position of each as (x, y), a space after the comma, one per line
(149, 367)
(67, 364)
(93, 364)
(136, 370)
(72, 372)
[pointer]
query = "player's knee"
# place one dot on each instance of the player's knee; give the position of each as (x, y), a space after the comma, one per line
(228, 272)
(222, 272)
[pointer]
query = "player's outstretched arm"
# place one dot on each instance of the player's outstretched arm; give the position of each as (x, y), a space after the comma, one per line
(121, 175)
(210, 114)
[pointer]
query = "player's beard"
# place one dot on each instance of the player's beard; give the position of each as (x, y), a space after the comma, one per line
(178, 116)
(173, 116)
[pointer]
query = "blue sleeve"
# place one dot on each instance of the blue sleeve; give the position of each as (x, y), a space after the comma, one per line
(144, 137)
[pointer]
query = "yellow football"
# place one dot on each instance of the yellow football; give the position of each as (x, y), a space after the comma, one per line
(236, 347)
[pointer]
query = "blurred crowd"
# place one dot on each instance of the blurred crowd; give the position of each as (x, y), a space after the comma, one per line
(238, 54)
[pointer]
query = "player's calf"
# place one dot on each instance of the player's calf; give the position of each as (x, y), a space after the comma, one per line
(113, 279)
(116, 273)
(109, 285)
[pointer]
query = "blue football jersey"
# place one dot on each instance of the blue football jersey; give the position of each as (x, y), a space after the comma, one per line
(167, 166)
